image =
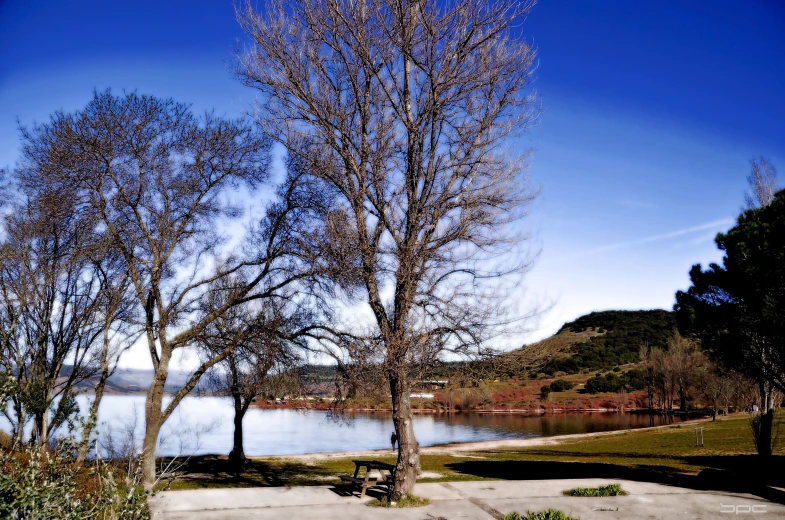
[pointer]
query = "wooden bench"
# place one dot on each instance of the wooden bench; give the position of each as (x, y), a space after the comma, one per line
(367, 482)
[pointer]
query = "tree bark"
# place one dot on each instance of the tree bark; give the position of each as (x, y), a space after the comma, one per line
(408, 465)
(237, 455)
(92, 417)
(152, 421)
(762, 431)
(19, 433)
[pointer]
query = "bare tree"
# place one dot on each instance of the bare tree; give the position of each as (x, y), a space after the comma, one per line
(156, 178)
(120, 329)
(762, 182)
(402, 112)
(687, 365)
(265, 339)
(50, 311)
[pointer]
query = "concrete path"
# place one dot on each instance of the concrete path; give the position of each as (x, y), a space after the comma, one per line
(478, 500)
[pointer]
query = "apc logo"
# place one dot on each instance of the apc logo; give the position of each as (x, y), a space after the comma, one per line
(741, 509)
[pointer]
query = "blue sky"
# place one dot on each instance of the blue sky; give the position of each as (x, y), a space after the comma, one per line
(651, 113)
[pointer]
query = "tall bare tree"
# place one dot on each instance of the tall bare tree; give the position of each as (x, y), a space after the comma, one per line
(762, 182)
(402, 111)
(50, 311)
(157, 180)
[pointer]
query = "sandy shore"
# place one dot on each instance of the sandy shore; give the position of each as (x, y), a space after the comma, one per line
(463, 447)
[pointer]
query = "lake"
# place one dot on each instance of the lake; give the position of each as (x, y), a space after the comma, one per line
(203, 425)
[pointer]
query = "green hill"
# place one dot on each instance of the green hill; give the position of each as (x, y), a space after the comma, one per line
(606, 339)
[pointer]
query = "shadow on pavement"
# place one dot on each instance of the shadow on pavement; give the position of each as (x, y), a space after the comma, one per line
(348, 490)
(217, 471)
(735, 473)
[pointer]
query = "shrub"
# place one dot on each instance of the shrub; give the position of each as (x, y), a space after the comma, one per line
(545, 390)
(613, 382)
(611, 490)
(548, 514)
(49, 485)
(561, 385)
(407, 501)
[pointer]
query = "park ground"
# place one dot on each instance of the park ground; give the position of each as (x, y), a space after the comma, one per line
(464, 500)
(659, 454)
(662, 468)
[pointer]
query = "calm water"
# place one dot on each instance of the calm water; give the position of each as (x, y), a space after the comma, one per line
(204, 425)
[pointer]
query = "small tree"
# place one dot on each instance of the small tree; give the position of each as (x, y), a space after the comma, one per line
(263, 339)
(52, 310)
(762, 184)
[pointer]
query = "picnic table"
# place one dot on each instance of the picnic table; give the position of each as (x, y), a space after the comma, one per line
(367, 481)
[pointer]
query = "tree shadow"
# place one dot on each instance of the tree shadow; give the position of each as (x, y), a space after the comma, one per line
(753, 469)
(732, 473)
(349, 490)
(218, 471)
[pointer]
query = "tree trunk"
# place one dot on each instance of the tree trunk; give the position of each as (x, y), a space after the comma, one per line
(237, 455)
(152, 422)
(92, 418)
(19, 433)
(764, 397)
(41, 429)
(762, 431)
(408, 465)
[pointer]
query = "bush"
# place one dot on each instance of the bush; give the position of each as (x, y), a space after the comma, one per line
(545, 390)
(49, 485)
(407, 501)
(549, 514)
(611, 490)
(560, 385)
(613, 382)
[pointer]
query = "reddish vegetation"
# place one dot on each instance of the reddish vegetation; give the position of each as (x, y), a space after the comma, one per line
(507, 396)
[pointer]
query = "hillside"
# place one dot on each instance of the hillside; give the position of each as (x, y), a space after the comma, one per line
(131, 381)
(532, 358)
(596, 341)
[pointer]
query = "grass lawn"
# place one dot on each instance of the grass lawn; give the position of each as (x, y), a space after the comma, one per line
(660, 454)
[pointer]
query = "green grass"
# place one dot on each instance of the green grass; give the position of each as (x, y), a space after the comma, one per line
(652, 455)
(611, 490)
(407, 501)
(548, 514)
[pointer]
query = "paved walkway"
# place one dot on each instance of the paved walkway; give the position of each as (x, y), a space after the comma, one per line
(478, 500)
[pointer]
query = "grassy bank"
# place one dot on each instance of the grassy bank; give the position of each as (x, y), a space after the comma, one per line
(659, 454)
